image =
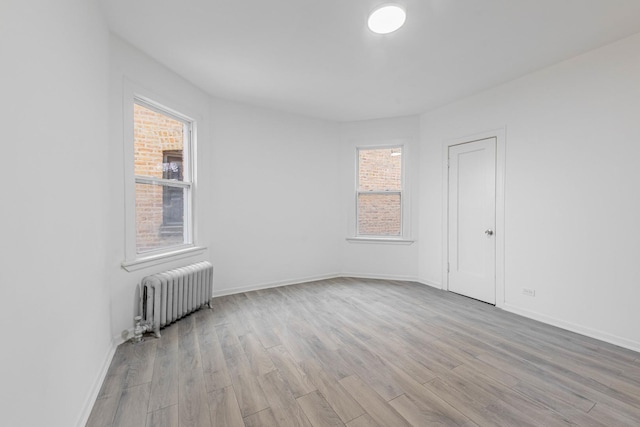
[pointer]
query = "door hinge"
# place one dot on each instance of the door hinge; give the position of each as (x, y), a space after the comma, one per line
(447, 267)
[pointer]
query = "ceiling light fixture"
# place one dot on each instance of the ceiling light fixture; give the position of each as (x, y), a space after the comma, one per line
(386, 19)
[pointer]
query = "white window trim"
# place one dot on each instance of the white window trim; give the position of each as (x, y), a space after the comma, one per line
(134, 261)
(405, 202)
(385, 240)
(178, 252)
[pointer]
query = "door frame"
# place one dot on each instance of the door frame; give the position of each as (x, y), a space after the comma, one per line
(500, 135)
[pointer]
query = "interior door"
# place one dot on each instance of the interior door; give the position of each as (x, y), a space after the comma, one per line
(472, 217)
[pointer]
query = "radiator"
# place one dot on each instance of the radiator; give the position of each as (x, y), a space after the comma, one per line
(168, 296)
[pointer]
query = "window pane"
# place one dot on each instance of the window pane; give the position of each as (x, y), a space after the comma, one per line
(158, 144)
(380, 169)
(379, 214)
(159, 216)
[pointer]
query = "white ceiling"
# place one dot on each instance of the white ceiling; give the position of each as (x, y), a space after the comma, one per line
(317, 57)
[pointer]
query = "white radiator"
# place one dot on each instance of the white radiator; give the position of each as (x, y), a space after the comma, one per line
(168, 296)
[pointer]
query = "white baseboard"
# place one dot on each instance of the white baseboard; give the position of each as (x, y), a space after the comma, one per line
(259, 286)
(380, 277)
(592, 333)
(97, 384)
(430, 283)
(268, 285)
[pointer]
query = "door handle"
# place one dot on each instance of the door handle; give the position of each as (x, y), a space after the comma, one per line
(488, 232)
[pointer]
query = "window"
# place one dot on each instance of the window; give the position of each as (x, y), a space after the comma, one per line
(162, 150)
(379, 192)
(172, 197)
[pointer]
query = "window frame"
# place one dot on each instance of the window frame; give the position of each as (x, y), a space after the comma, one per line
(185, 184)
(166, 156)
(401, 193)
(135, 260)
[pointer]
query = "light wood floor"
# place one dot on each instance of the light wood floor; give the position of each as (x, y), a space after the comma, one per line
(366, 353)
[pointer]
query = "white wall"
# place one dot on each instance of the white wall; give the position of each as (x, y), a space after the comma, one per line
(274, 218)
(266, 201)
(572, 202)
(275, 192)
(376, 259)
(130, 67)
(53, 113)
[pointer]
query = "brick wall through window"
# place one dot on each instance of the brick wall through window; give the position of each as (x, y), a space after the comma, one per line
(379, 191)
(155, 135)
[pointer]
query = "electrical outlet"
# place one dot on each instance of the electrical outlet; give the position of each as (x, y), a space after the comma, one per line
(529, 292)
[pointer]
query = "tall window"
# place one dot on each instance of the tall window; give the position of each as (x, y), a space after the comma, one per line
(162, 148)
(379, 192)
(172, 197)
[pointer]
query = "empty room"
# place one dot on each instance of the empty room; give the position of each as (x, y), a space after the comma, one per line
(305, 213)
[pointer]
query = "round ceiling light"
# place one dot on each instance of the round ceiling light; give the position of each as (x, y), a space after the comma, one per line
(386, 19)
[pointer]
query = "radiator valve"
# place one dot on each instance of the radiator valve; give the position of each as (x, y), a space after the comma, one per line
(136, 333)
(140, 329)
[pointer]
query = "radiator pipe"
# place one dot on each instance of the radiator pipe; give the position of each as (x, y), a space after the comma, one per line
(140, 329)
(136, 333)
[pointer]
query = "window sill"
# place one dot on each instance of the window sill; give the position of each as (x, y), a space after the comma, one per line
(383, 240)
(156, 259)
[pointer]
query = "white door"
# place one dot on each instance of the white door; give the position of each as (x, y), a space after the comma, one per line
(472, 217)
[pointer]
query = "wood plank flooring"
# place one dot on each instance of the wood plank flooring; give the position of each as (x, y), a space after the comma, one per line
(353, 352)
